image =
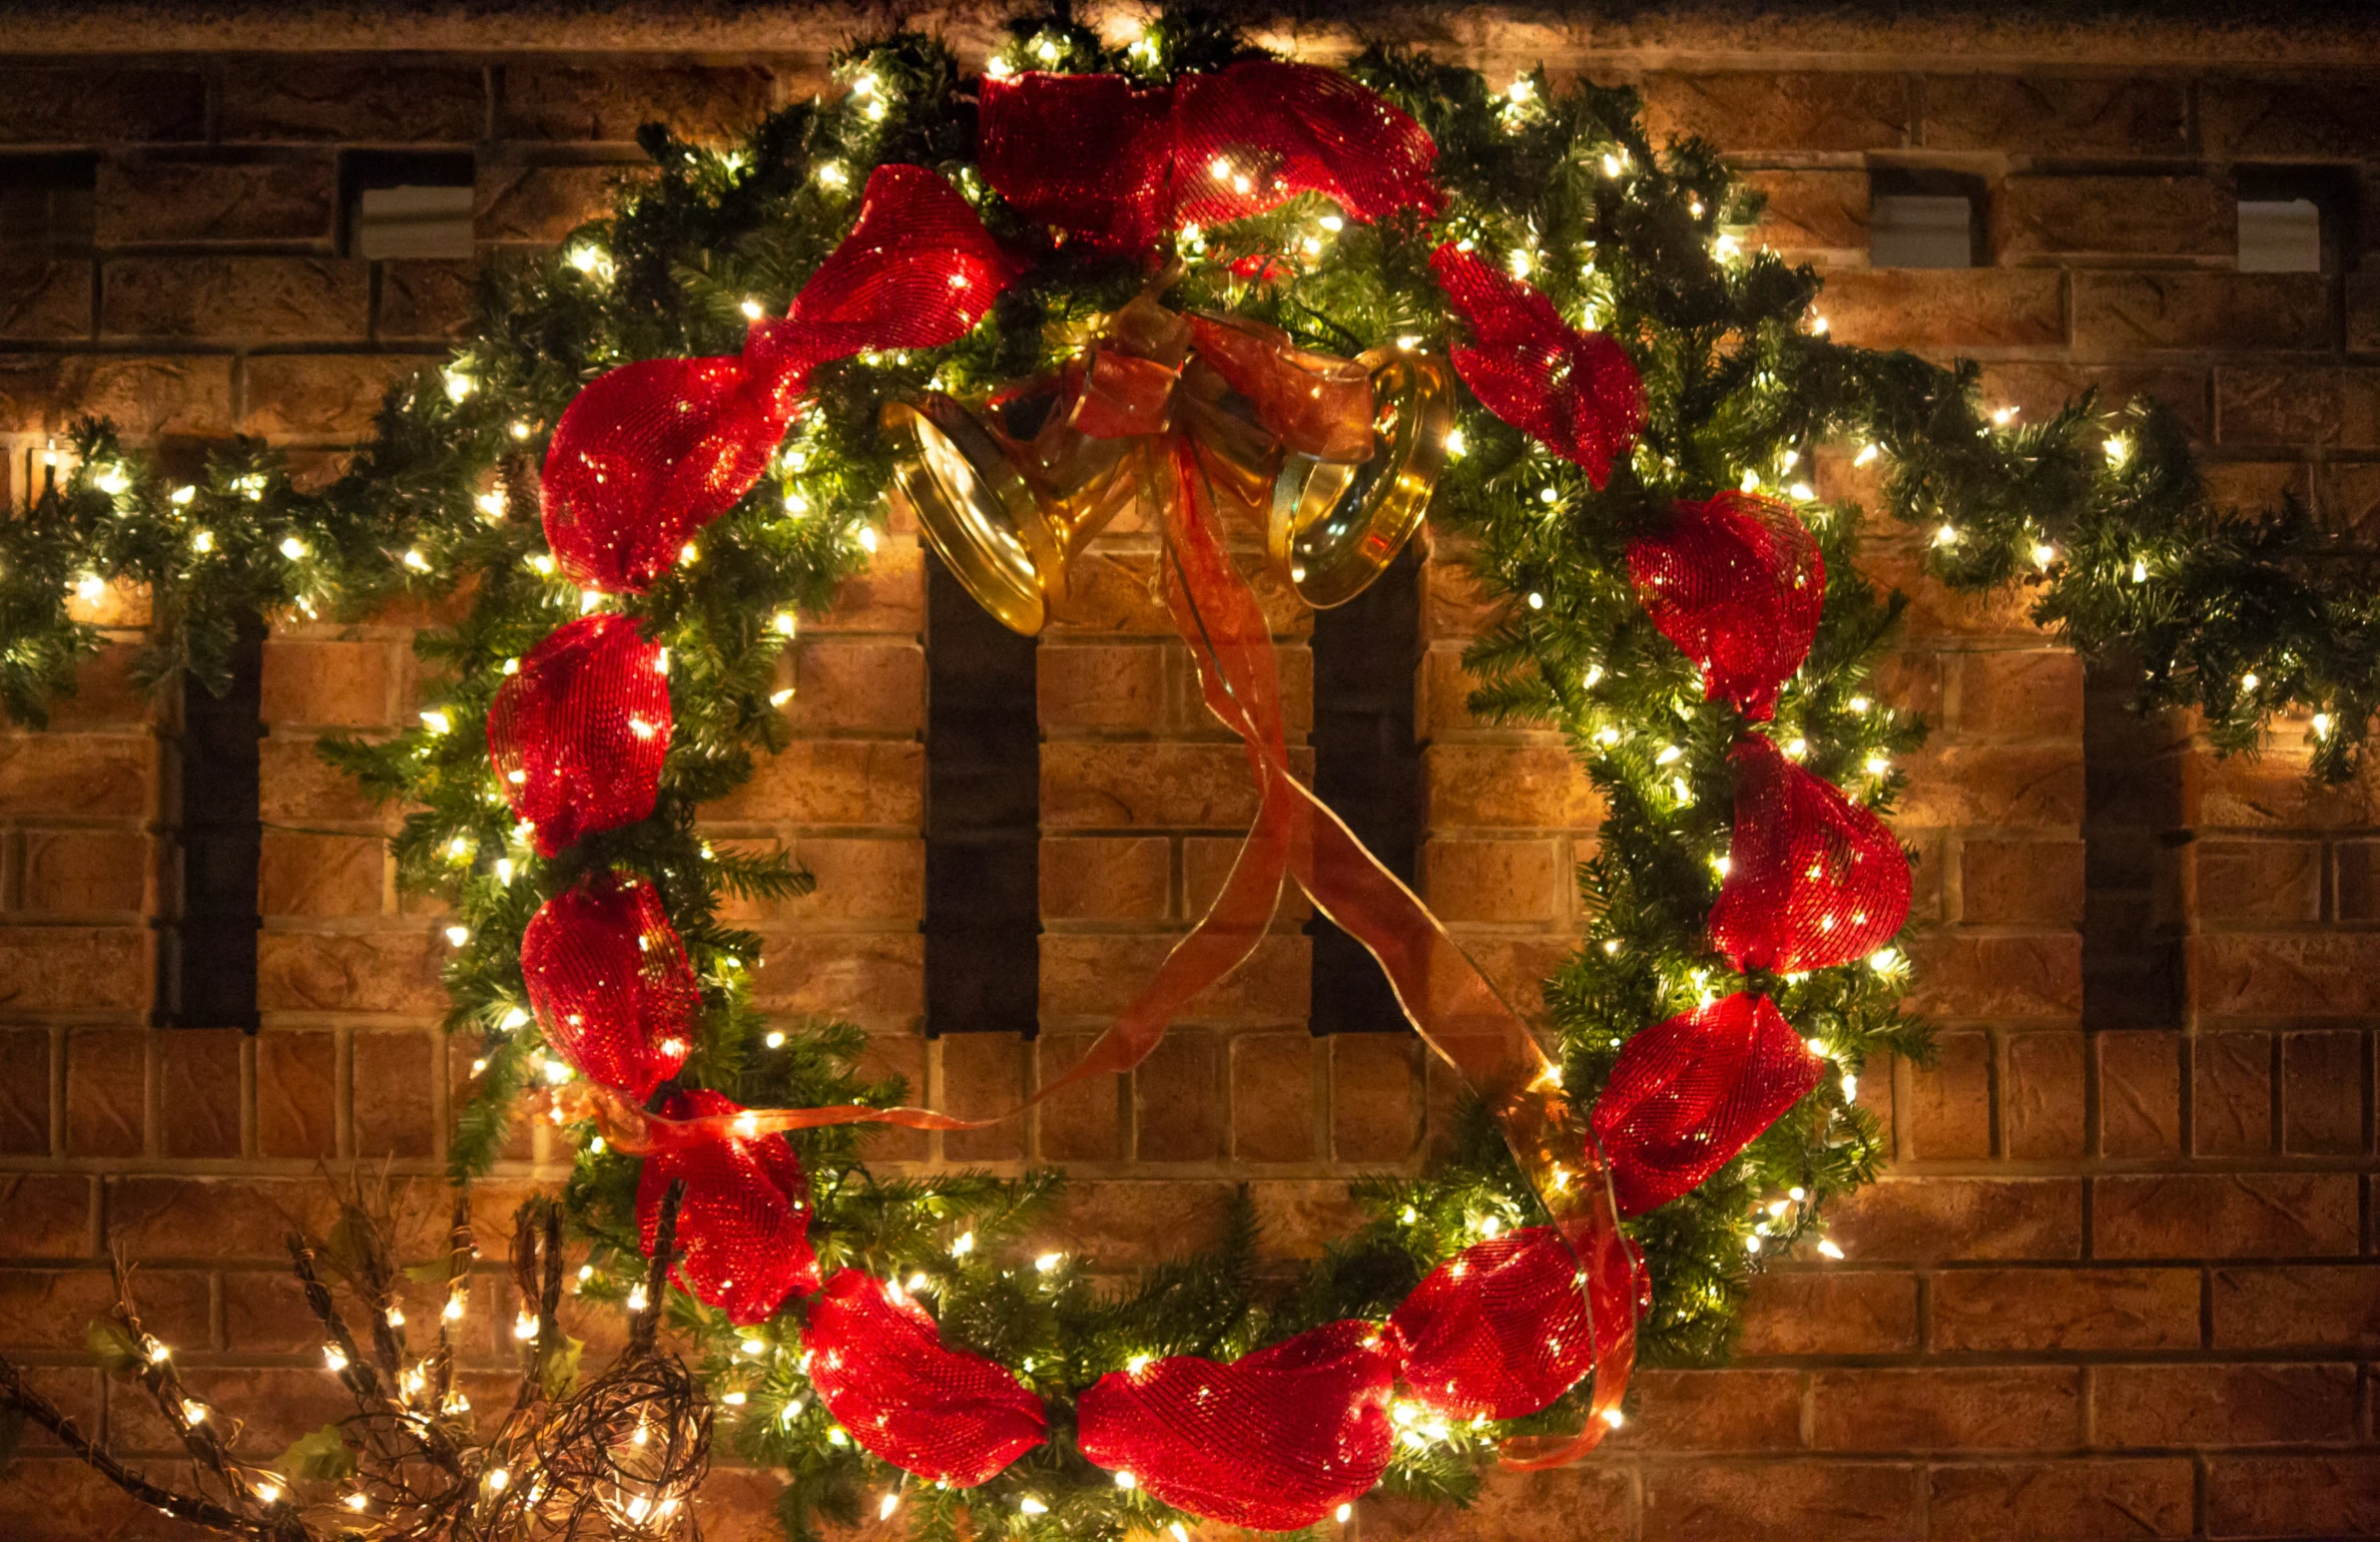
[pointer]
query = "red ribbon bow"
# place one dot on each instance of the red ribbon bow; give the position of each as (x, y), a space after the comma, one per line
(1117, 166)
(651, 452)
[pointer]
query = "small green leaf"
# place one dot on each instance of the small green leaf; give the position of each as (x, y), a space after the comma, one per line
(429, 1271)
(117, 1355)
(322, 1457)
(557, 1369)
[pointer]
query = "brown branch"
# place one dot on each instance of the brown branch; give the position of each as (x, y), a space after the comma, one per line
(286, 1527)
(641, 1333)
(459, 1248)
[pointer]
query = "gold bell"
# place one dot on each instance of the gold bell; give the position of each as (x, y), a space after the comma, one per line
(1337, 525)
(1009, 537)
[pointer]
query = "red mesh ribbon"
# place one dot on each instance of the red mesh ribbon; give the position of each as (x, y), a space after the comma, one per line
(1690, 1092)
(1813, 879)
(1116, 166)
(744, 1225)
(577, 735)
(1500, 1329)
(1275, 1440)
(651, 452)
(881, 1369)
(1737, 584)
(609, 984)
(1577, 394)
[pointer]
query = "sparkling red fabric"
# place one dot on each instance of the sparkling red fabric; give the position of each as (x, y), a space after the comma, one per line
(881, 1369)
(1502, 1328)
(744, 1225)
(1813, 878)
(577, 735)
(1577, 394)
(610, 985)
(1275, 1440)
(1737, 584)
(1116, 167)
(651, 451)
(1690, 1092)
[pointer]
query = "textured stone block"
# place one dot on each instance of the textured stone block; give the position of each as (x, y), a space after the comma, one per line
(100, 104)
(309, 100)
(1940, 1408)
(247, 300)
(2028, 1311)
(2063, 114)
(2070, 1499)
(45, 301)
(1780, 109)
(2137, 217)
(610, 102)
(143, 199)
(2131, 313)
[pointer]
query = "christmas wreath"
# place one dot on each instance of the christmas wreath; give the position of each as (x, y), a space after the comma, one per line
(1309, 305)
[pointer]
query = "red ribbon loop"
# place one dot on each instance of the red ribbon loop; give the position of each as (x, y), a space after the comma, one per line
(1578, 393)
(651, 451)
(1116, 167)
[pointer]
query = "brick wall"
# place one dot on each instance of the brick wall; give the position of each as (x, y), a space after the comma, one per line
(2120, 1279)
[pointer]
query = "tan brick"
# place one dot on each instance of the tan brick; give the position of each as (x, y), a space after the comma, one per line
(1780, 109)
(1131, 1223)
(100, 104)
(1581, 1501)
(297, 786)
(254, 299)
(424, 298)
(1095, 786)
(1867, 1501)
(77, 969)
(396, 972)
(25, 1092)
(864, 879)
(1499, 786)
(2323, 1093)
(1830, 1310)
(2042, 1097)
(1084, 1122)
(1938, 1408)
(1961, 975)
(2231, 1093)
(1207, 862)
(107, 1091)
(1272, 1097)
(1496, 882)
(2275, 404)
(2065, 115)
(1179, 1101)
(1100, 687)
(874, 979)
(1922, 1220)
(197, 1092)
(393, 1078)
(297, 1095)
(901, 1055)
(2253, 880)
(2006, 786)
(84, 871)
(889, 595)
(50, 1216)
(2154, 217)
(1977, 307)
(2236, 1214)
(1096, 976)
(45, 301)
(382, 103)
(2304, 113)
(983, 1076)
(332, 684)
(1297, 1218)
(2038, 389)
(2077, 1500)
(2031, 693)
(541, 204)
(1949, 1106)
(144, 395)
(2286, 975)
(1454, 605)
(2171, 1405)
(2031, 1310)
(320, 395)
(183, 201)
(1376, 1097)
(73, 774)
(2140, 1094)
(609, 103)
(858, 687)
(2293, 1496)
(319, 876)
(1812, 210)
(174, 1216)
(2335, 1308)
(49, 1308)
(2132, 311)
(2004, 882)
(877, 782)
(1712, 1410)
(1105, 878)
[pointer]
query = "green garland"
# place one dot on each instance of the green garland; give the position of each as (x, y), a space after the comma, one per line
(2102, 515)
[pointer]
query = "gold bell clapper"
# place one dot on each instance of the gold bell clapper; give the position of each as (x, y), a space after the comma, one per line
(1334, 459)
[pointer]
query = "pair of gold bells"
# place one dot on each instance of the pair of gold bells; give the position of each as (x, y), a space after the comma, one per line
(1336, 457)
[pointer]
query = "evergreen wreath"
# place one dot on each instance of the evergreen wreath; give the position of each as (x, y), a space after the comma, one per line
(2098, 513)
